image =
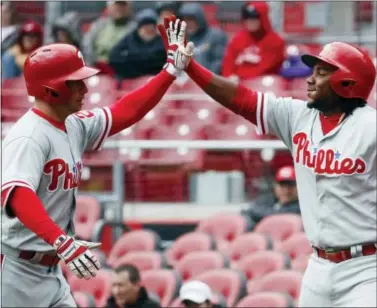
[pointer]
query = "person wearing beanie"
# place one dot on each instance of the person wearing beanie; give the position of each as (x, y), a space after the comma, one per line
(140, 53)
(257, 49)
(166, 9)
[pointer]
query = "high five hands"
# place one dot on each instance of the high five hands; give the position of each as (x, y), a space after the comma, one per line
(179, 52)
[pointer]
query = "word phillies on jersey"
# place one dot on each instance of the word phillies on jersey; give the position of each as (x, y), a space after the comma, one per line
(57, 168)
(325, 161)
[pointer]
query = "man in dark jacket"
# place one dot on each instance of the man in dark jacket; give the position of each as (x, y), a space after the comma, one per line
(127, 291)
(142, 52)
(285, 193)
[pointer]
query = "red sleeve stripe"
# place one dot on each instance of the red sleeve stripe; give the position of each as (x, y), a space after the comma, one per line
(262, 126)
(16, 183)
(264, 113)
(98, 145)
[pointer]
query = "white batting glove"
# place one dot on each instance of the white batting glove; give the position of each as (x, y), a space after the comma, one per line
(76, 254)
(179, 55)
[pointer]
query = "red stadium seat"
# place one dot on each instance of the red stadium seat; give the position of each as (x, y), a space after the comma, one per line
(280, 227)
(300, 263)
(88, 211)
(143, 260)
(99, 286)
(138, 240)
(266, 299)
(129, 85)
(198, 262)
(247, 244)
(230, 283)
(84, 300)
(372, 100)
(287, 281)
(268, 84)
(165, 283)
(296, 245)
(188, 243)
(101, 91)
(261, 263)
(299, 88)
(226, 226)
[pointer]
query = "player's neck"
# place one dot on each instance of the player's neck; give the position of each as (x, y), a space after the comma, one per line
(335, 111)
(50, 111)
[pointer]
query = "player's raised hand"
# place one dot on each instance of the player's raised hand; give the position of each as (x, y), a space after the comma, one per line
(76, 254)
(173, 34)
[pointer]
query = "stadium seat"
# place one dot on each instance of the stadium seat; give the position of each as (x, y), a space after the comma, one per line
(266, 299)
(129, 85)
(226, 226)
(230, 283)
(372, 100)
(84, 300)
(101, 91)
(99, 286)
(300, 263)
(163, 282)
(299, 88)
(88, 211)
(198, 262)
(296, 245)
(143, 260)
(138, 240)
(247, 244)
(237, 128)
(261, 263)
(280, 226)
(188, 243)
(268, 84)
(287, 281)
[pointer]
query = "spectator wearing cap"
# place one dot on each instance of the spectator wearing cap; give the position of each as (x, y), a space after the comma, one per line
(210, 42)
(142, 52)
(107, 31)
(67, 30)
(255, 50)
(29, 39)
(293, 67)
(165, 9)
(197, 294)
(9, 25)
(285, 197)
(127, 291)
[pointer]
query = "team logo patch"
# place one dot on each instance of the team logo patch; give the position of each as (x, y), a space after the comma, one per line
(325, 161)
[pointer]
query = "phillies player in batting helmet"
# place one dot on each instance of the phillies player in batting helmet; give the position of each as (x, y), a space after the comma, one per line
(332, 137)
(42, 166)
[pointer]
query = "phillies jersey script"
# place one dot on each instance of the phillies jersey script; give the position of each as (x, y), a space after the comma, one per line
(336, 172)
(46, 157)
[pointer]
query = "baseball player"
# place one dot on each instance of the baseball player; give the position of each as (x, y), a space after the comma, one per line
(332, 137)
(41, 170)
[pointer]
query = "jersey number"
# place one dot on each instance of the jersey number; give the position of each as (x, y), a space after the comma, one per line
(84, 114)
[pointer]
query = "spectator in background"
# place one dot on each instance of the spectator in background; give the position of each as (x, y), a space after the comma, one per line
(285, 197)
(142, 52)
(166, 9)
(107, 31)
(209, 42)
(9, 26)
(29, 39)
(256, 50)
(293, 67)
(127, 290)
(67, 29)
(196, 294)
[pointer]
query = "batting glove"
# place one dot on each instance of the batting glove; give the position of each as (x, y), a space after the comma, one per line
(179, 53)
(76, 254)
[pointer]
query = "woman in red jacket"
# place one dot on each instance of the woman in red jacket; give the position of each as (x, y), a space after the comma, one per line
(256, 50)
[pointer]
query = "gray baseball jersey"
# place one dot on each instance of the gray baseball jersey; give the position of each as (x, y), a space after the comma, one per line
(38, 154)
(336, 173)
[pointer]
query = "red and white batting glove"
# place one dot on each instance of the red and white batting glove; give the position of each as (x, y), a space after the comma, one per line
(76, 254)
(179, 53)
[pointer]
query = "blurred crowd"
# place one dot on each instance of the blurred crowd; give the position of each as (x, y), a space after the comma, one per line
(127, 45)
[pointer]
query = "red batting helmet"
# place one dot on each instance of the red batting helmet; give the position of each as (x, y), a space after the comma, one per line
(49, 67)
(355, 74)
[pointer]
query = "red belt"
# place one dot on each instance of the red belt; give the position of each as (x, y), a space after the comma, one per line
(45, 259)
(341, 255)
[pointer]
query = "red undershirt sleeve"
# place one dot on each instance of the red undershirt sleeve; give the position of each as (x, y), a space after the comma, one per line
(28, 208)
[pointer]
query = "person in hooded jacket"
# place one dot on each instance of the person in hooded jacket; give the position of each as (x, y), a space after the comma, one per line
(30, 38)
(257, 49)
(209, 42)
(140, 53)
(293, 67)
(67, 30)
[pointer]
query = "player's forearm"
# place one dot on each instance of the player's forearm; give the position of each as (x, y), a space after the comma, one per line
(229, 94)
(134, 106)
(28, 208)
